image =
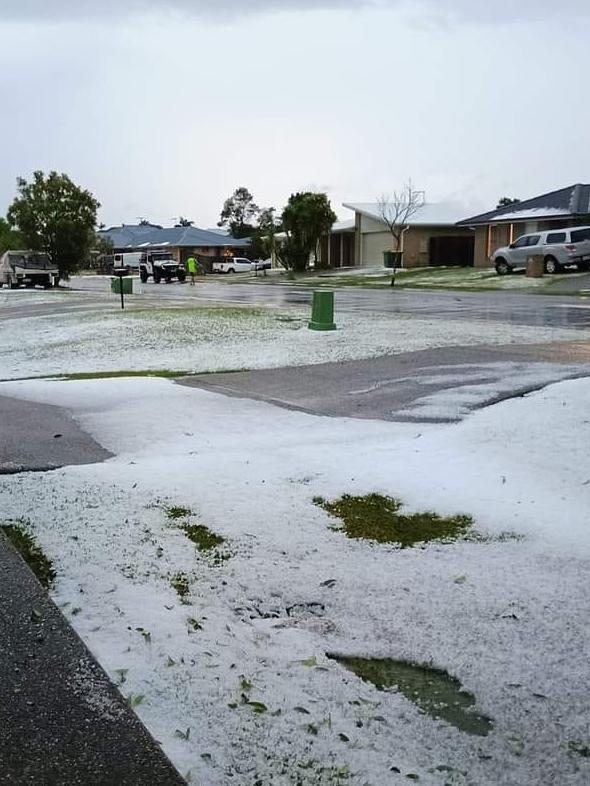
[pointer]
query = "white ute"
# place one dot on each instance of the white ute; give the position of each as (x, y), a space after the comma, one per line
(29, 269)
(233, 265)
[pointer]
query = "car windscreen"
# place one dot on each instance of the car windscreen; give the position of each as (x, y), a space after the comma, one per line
(32, 261)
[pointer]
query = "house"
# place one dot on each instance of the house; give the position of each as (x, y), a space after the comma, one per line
(182, 242)
(432, 237)
(566, 207)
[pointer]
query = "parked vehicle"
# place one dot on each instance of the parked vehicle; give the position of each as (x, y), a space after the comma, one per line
(262, 264)
(233, 265)
(160, 265)
(29, 269)
(560, 248)
(131, 260)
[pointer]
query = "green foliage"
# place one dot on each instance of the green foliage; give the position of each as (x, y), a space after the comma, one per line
(305, 219)
(23, 542)
(180, 583)
(176, 512)
(202, 537)
(263, 237)
(10, 239)
(239, 213)
(506, 202)
(376, 517)
(56, 216)
(579, 747)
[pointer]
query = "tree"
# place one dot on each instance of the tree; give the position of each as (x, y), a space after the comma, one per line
(263, 237)
(506, 202)
(10, 239)
(305, 219)
(239, 213)
(55, 216)
(395, 211)
(183, 222)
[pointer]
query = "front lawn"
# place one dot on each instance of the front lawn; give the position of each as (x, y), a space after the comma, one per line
(461, 278)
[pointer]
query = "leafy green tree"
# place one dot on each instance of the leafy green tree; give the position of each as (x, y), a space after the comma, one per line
(239, 213)
(306, 218)
(263, 237)
(184, 222)
(56, 216)
(506, 202)
(10, 239)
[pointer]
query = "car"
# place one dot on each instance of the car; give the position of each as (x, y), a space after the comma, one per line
(559, 248)
(233, 265)
(262, 264)
(29, 269)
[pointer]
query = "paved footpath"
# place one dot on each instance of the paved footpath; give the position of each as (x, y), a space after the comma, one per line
(62, 722)
(433, 385)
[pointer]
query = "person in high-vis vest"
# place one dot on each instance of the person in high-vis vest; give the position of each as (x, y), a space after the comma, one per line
(191, 266)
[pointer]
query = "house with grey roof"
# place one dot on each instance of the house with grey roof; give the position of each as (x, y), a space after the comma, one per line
(565, 207)
(182, 242)
(431, 237)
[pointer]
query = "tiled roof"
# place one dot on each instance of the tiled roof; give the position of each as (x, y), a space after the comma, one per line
(429, 214)
(571, 201)
(149, 235)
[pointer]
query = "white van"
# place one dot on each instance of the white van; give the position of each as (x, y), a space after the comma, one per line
(130, 260)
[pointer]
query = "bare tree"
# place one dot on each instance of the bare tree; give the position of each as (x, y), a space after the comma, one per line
(395, 211)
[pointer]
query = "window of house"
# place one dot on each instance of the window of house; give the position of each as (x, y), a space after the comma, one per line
(556, 237)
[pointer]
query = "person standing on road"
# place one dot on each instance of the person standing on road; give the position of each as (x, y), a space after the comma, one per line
(191, 265)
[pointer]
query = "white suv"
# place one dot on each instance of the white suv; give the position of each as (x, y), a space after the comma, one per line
(559, 248)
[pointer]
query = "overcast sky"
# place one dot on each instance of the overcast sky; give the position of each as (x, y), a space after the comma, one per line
(162, 107)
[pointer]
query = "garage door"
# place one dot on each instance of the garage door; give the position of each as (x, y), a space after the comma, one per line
(452, 251)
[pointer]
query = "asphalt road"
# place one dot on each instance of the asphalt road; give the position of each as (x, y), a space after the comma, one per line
(91, 294)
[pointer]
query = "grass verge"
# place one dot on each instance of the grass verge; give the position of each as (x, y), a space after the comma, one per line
(378, 518)
(26, 545)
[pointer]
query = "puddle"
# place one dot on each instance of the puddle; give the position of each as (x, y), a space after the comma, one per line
(433, 691)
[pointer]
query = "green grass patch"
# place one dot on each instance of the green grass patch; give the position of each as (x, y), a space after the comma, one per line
(435, 692)
(206, 311)
(165, 373)
(454, 278)
(26, 545)
(176, 512)
(180, 583)
(206, 541)
(203, 538)
(379, 518)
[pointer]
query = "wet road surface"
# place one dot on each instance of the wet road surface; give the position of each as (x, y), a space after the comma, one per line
(503, 307)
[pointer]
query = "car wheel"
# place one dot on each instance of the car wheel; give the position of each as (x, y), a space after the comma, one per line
(157, 279)
(502, 267)
(231, 270)
(583, 267)
(143, 276)
(552, 265)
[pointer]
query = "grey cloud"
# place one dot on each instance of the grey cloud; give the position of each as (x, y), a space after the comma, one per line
(471, 10)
